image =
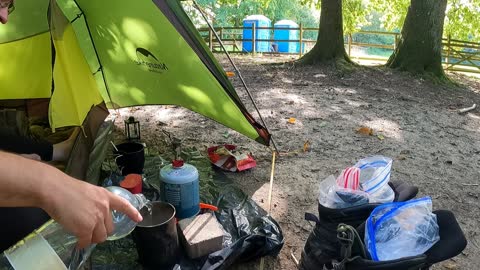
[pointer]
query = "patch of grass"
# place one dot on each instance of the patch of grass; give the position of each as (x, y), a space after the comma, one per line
(379, 52)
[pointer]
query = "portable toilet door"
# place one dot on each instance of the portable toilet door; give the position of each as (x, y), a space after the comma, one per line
(286, 30)
(258, 21)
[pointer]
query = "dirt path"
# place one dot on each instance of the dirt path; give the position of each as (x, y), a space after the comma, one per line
(414, 121)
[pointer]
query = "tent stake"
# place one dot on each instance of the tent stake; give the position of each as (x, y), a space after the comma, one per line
(236, 69)
(269, 202)
(272, 173)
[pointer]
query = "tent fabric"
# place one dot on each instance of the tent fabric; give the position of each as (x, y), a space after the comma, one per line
(23, 58)
(25, 51)
(177, 16)
(28, 19)
(146, 60)
(76, 90)
(83, 152)
(126, 53)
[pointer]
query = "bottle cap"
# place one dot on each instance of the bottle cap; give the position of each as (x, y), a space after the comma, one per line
(133, 183)
(177, 163)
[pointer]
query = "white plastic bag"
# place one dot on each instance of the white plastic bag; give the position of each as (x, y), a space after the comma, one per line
(401, 229)
(334, 196)
(374, 177)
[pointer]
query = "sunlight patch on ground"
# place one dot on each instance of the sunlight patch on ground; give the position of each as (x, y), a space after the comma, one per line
(336, 109)
(170, 114)
(473, 123)
(312, 112)
(473, 116)
(279, 204)
(285, 80)
(387, 128)
(355, 104)
(285, 99)
(165, 114)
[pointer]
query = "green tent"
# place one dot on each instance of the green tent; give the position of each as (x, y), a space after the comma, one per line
(118, 52)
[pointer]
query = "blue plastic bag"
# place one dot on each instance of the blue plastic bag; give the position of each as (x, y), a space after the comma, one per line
(401, 229)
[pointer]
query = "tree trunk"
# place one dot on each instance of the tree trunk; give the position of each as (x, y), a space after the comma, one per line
(419, 49)
(330, 45)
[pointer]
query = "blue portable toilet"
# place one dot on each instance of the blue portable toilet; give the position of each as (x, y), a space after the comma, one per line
(283, 32)
(259, 21)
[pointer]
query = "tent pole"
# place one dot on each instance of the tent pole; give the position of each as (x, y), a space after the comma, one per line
(100, 68)
(236, 69)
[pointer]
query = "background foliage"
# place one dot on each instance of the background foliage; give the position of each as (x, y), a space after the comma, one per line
(462, 19)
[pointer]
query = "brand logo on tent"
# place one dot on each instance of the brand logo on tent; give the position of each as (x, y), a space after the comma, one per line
(147, 59)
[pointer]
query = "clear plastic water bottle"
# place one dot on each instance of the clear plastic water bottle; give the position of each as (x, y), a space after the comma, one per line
(123, 224)
(52, 248)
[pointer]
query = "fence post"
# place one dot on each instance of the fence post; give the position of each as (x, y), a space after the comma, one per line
(448, 50)
(220, 36)
(349, 45)
(210, 39)
(254, 38)
(300, 50)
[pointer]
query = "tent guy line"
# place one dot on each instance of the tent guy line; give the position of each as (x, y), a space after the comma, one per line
(238, 72)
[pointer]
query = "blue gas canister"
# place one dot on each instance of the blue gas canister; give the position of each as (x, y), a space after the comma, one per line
(180, 187)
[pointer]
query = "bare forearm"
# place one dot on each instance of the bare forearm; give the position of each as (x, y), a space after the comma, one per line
(24, 182)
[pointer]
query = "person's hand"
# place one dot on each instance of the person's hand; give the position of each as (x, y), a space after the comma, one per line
(85, 210)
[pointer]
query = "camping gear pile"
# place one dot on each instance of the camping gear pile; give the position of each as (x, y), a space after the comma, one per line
(359, 227)
(230, 228)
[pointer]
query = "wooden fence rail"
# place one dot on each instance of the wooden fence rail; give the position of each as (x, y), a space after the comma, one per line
(457, 55)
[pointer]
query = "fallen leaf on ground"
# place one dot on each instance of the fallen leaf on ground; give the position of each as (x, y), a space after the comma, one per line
(306, 146)
(380, 137)
(292, 120)
(323, 124)
(365, 131)
(450, 266)
(230, 74)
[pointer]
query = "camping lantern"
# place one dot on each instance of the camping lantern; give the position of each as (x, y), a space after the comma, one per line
(132, 129)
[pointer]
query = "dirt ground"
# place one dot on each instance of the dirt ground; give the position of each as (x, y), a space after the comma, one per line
(414, 121)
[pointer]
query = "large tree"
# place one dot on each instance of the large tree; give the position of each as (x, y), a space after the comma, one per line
(461, 20)
(330, 45)
(419, 49)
